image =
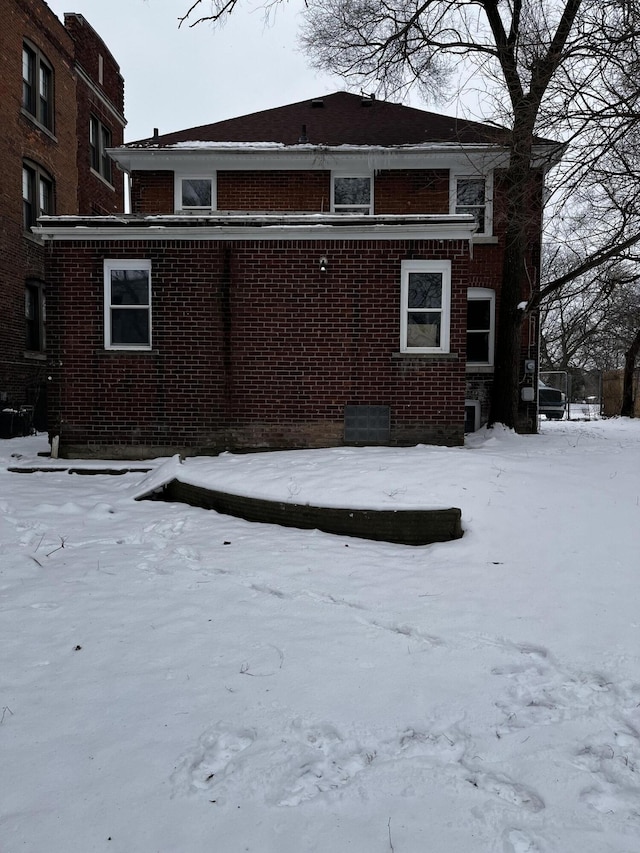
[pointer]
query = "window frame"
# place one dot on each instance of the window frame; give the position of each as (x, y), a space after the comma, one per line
(363, 210)
(36, 290)
(481, 294)
(114, 264)
(100, 138)
(193, 208)
(424, 266)
(37, 178)
(488, 198)
(36, 104)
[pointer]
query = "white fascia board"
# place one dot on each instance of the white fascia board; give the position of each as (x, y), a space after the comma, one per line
(184, 159)
(437, 228)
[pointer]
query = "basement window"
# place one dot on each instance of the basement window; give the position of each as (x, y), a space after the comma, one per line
(127, 304)
(425, 300)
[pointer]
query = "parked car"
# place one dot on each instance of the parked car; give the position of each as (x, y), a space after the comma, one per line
(551, 402)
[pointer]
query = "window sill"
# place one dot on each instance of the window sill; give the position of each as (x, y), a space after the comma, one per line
(426, 356)
(102, 178)
(41, 127)
(34, 355)
(480, 368)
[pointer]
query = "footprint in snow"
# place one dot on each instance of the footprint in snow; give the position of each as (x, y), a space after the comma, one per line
(216, 755)
(517, 841)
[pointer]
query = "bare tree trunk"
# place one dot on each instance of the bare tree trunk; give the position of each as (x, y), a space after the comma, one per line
(630, 357)
(505, 388)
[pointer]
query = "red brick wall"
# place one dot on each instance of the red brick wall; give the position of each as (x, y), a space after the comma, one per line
(104, 101)
(152, 192)
(406, 191)
(56, 152)
(252, 347)
(279, 190)
(21, 138)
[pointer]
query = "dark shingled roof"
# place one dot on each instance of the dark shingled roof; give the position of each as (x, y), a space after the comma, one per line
(338, 119)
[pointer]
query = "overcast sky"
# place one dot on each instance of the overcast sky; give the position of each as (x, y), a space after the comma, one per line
(180, 78)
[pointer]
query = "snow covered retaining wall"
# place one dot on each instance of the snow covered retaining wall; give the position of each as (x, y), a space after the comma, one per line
(408, 527)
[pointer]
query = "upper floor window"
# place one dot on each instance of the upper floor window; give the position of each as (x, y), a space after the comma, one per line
(99, 141)
(481, 302)
(425, 301)
(471, 195)
(37, 194)
(127, 304)
(37, 86)
(195, 194)
(34, 313)
(352, 194)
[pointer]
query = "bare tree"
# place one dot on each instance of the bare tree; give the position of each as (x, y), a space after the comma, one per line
(565, 68)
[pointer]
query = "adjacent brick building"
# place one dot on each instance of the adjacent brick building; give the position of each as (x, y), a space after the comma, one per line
(321, 273)
(61, 107)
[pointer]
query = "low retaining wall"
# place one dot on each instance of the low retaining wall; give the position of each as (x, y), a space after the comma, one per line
(407, 526)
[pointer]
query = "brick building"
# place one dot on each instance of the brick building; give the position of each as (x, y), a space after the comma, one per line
(61, 107)
(321, 273)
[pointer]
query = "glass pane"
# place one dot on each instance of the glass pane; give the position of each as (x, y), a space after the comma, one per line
(425, 290)
(352, 191)
(478, 314)
(27, 184)
(46, 197)
(196, 192)
(470, 191)
(478, 347)
(27, 65)
(130, 326)
(129, 287)
(423, 330)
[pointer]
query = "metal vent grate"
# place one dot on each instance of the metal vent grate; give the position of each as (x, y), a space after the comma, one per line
(367, 424)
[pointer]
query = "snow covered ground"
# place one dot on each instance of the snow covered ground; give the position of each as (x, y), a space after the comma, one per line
(177, 681)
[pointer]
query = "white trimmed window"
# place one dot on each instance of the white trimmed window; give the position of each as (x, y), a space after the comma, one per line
(481, 312)
(195, 193)
(472, 194)
(127, 304)
(352, 194)
(426, 302)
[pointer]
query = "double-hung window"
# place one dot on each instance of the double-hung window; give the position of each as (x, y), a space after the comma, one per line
(481, 302)
(352, 194)
(425, 300)
(37, 86)
(99, 141)
(127, 304)
(35, 316)
(37, 194)
(470, 195)
(196, 194)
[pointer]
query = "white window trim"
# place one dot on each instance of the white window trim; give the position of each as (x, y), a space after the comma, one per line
(126, 264)
(341, 174)
(488, 197)
(177, 192)
(443, 267)
(485, 293)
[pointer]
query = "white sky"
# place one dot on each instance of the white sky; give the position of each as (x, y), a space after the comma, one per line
(179, 78)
